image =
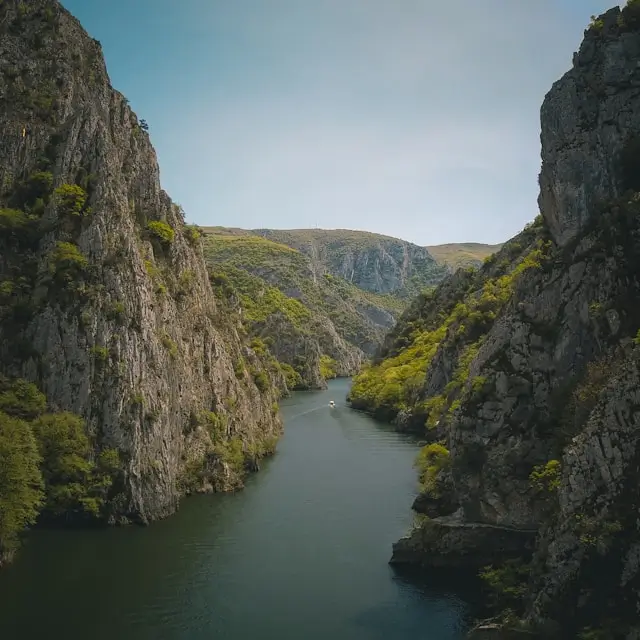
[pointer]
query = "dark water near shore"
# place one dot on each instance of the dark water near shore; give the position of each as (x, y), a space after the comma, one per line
(301, 553)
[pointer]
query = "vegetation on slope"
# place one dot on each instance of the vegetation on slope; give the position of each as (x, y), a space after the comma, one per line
(456, 317)
(277, 292)
(428, 370)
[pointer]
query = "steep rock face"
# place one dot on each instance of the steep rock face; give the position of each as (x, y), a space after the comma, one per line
(527, 378)
(590, 120)
(111, 316)
(370, 261)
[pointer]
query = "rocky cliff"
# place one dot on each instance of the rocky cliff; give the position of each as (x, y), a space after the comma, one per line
(105, 301)
(525, 374)
(370, 261)
(462, 254)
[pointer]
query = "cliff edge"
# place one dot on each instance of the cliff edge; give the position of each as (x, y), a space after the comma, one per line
(105, 301)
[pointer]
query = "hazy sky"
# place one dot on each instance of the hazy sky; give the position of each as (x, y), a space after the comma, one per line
(414, 118)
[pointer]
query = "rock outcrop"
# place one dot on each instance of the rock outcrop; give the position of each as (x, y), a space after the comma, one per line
(526, 373)
(590, 124)
(105, 301)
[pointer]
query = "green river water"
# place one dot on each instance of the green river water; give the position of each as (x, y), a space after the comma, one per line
(301, 553)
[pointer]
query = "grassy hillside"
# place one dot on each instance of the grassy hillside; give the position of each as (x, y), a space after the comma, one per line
(462, 254)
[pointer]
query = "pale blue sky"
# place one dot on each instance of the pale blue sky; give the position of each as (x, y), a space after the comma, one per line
(413, 118)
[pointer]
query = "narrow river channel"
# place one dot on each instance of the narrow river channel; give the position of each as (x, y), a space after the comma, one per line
(300, 554)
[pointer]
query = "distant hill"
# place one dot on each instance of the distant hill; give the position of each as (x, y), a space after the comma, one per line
(462, 254)
(317, 324)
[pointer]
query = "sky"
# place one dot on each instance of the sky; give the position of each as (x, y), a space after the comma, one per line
(414, 118)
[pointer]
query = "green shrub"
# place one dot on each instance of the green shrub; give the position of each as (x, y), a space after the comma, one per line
(162, 231)
(169, 345)
(101, 354)
(137, 400)
(478, 384)
(66, 262)
(545, 478)
(156, 275)
(596, 24)
(239, 367)
(259, 347)
(186, 282)
(49, 452)
(593, 532)
(70, 199)
(192, 233)
(435, 408)
(116, 311)
(508, 583)
(292, 377)
(13, 220)
(231, 453)
(261, 380)
(215, 424)
(21, 485)
(21, 399)
(74, 485)
(328, 367)
(7, 287)
(152, 270)
(430, 462)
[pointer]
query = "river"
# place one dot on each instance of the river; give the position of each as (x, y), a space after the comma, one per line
(300, 554)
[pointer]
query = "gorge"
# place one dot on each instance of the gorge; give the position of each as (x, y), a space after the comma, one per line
(144, 359)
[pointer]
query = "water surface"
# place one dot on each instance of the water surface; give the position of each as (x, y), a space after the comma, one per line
(300, 553)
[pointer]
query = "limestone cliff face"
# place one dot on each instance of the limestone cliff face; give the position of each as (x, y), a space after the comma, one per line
(370, 261)
(593, 545)
(530, 378)
(106, 302)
